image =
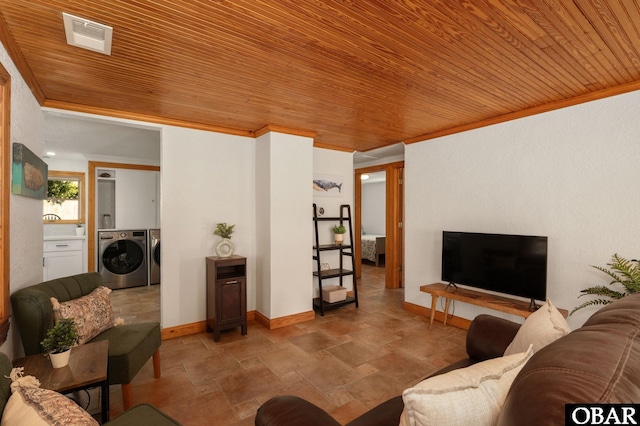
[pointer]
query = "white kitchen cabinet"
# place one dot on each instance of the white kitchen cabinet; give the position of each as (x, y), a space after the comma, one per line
(136, 199)
(62, 258)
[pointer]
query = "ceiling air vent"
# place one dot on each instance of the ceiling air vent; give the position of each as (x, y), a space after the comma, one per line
(87, 34)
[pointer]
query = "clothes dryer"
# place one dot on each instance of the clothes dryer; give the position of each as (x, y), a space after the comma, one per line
(154, 256)
(123, 258)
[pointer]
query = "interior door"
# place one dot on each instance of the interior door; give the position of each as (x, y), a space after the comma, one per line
(394, 248)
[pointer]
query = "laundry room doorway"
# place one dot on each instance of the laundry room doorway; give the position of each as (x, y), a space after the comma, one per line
(107, 217)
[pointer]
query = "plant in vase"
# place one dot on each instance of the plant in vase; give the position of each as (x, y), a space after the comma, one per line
(225, 247)
(57, 345)
(339, 231)
(625, 274)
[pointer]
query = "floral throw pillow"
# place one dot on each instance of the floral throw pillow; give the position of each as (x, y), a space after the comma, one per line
(92, 313)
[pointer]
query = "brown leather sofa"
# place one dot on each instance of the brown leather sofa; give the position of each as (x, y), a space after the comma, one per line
(597, 363)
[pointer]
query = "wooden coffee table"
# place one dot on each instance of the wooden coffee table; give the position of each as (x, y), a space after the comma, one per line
(87, 369)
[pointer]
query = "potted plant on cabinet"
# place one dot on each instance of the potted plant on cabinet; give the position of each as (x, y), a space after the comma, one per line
(225, 247)
(339, 231)
(57, 345)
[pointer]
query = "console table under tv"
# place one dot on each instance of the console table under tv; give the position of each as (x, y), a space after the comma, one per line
(486, 300)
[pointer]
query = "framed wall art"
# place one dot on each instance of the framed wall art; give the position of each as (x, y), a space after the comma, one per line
(327, 185)
(28, 173)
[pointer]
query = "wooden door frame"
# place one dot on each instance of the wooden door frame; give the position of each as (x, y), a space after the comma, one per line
(394, 206)
(91, 197)
(5, 201)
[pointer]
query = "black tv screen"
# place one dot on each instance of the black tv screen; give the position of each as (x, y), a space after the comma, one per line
(511, 264)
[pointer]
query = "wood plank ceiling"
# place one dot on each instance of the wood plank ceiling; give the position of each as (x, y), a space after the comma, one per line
(360, 74)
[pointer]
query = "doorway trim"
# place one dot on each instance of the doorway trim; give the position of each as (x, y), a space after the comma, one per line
(91, 200)
(394, 233)
(5, 201)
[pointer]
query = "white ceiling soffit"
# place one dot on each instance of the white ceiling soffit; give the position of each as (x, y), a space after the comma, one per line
(391, 151)
(87, 34)
(74, 137)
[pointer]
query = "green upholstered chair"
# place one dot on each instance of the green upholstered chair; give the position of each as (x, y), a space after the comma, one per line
(5, 382)
(130, 345)
(140, 415)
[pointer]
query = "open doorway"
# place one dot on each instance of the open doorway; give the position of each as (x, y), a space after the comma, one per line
(393, 222)
(374, 221)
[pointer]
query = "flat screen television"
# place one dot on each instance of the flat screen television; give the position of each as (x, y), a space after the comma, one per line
(510, 264)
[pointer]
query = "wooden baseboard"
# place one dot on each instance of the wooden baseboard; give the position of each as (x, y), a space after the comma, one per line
(184, 330)
(272, 324)
(426, 312)
(193, 328)
(262, 320)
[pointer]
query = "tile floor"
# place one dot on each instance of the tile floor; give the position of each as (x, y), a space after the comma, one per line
(346, 362)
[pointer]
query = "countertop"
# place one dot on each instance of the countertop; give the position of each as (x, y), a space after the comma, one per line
(64, 237)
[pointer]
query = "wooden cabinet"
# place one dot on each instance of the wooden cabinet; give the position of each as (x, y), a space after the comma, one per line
(226, 294)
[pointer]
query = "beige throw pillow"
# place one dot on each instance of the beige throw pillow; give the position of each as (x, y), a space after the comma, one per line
(92, 313)
(30, 405)
(36, 407)
(541, 328)
(467, 396)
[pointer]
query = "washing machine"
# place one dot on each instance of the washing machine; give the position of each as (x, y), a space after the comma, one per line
(154, 256)
(122, 258)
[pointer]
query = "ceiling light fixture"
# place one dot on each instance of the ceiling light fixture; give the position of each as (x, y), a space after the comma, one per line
(51, 153)
(364, 176)
(87, 34)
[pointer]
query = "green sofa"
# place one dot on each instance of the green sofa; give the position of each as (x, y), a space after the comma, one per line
(130, 345)
(140, 415)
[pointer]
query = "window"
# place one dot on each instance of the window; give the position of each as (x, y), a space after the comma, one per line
(65, 198)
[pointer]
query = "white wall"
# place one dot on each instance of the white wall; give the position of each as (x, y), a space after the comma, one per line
(136, 199)
(285, 165)
(571, 175)
(374, 207)
(263, 225)
(66, 165)
(26, 213)
(206, 178)
(336, 163)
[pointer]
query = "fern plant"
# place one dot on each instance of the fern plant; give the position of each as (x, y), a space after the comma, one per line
(625, 273)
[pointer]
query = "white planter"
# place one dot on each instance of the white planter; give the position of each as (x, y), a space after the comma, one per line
(79, 231)
(60, 359)
(339, 239)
